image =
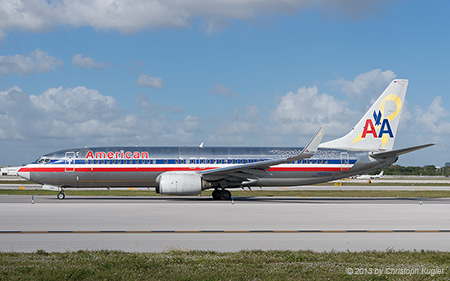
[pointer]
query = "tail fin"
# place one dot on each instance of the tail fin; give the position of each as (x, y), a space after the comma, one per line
(377, 129)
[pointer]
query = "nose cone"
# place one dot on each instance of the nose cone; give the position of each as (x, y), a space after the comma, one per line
(23, 174)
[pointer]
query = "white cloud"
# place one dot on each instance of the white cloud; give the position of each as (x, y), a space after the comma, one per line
(38, 15)
(151, 82)
(69, 117)
(366, 87)
(86, 62)
(434, 119)
(130, 16)
(59, 113)
(37, 62)
(223, 90)
(305, 111)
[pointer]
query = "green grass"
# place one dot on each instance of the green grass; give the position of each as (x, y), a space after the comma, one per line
(381, 183)
(16, 182)
(347, 193)
(257, 193)
(206, 265)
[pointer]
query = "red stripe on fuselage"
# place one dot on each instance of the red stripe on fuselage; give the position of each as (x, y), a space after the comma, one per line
(164, 169)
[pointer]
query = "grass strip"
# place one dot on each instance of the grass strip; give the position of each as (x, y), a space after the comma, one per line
(380, 183)
(242, 265)
(256, 193)
(16, 182)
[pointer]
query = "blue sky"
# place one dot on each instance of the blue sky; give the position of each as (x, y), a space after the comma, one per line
(105, 72)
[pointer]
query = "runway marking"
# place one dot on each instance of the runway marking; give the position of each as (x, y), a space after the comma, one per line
(283, 188)
(219, 231)
(421, 188)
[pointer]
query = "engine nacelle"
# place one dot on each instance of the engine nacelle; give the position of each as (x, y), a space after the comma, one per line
(181, 183)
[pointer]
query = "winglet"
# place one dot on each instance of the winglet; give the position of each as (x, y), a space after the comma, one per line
(312, 146)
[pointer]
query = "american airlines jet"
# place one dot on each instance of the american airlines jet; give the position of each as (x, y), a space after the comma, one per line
(189, 170)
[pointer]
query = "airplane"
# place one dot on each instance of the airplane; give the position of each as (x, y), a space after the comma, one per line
(370, 177)
(190, 170)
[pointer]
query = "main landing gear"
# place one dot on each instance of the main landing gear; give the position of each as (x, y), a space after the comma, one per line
(221, 194)
(61, 195)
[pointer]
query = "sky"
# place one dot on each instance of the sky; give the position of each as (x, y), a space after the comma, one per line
(76, 73)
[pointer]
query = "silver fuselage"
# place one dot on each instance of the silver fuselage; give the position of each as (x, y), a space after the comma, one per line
(140, 166)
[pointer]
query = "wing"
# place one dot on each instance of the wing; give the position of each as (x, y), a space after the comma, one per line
(249, 173)
(397, 152)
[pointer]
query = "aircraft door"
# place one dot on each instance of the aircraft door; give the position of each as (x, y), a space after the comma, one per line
(345, 162)
(69, 162)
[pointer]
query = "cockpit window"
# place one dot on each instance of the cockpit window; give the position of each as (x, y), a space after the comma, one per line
(43, 160)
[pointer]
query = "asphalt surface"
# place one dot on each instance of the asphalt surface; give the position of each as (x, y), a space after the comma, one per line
(147, 224)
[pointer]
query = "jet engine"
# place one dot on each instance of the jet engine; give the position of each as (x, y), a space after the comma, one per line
(181, 183)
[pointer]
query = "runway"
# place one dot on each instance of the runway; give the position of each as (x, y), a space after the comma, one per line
(143, 224)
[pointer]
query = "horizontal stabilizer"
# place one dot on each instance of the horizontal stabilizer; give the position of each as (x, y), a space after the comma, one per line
(397, 152)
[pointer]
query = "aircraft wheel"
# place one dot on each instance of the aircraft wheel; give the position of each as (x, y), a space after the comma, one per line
(61, 196)
(216, 194)
(225, 195)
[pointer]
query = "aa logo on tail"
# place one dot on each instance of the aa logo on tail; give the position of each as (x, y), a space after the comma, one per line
(370, 128)
(379, 125)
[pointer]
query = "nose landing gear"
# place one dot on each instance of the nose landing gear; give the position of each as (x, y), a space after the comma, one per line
(61, 195)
